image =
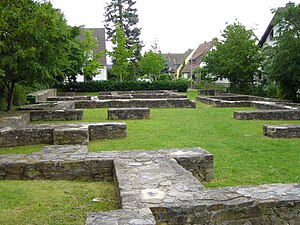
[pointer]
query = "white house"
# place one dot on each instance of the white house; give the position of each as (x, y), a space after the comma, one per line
(99, 35)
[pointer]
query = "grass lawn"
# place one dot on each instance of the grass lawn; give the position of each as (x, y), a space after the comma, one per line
(53, 202)
(242, 155)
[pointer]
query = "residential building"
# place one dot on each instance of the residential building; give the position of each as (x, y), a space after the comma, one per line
(99, 35)
(195, 59)
(175, 61)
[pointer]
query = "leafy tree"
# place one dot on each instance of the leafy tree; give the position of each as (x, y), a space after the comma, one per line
(152, 63)
(236, 57)
(120, 54)
(33, 42)
(285, 59)
(91, 63)
(124, 13)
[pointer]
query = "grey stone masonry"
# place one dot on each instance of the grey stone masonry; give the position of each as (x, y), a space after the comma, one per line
(60, 149)
(72, 133)
(155, 189)
(282, 131)
(49, 106)
(137, 103)
(122, 217)
(267, 115)
(68, 98)
(41, 96)
(128, 113)
(140, 95)
(246, 101)
(50, 115)
(71, 136)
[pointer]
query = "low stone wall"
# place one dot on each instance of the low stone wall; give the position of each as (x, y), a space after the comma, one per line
(282, 131)
(137, 103)
(211, 92)
(60, 134)
(128, 113)
(54, 115)
(68, 98)
(41, 96)
(267, 115)
(15, 121)
(49, 106)
(246, 101)
(155, 189)
(261, 205)
(140, 95)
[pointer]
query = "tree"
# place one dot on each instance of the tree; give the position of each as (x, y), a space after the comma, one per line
(285, 59)
(153, 62)
(91, 63)
(33, 42)
(122, 12)
(236, 57)
(120, 54)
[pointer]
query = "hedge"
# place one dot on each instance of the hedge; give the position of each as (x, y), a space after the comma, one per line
(96, 86)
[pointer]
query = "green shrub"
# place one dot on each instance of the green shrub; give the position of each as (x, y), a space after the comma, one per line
(95, 86)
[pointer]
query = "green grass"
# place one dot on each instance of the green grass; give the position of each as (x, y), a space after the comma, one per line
(242, 155)
(53, 202)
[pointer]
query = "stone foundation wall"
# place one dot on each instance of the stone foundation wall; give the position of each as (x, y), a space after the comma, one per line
(211, 92)
(282, 131)
(267, 115)
(10, 137)
(55, 115)
(49, 106)
(60, 134)
(137, 103)
(41, 96)
(68, 98)
(140, 95)
(15, 121)
(128, 114)
(261, 205)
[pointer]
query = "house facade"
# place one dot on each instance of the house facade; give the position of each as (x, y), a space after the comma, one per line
(195, 59)
(175, 61)
(99, 36)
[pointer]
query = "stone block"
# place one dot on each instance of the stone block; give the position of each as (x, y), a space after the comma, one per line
(56, 115)
(71, 136)
(107, 131)
(128, 113)
(63, 149)
(267, 115)
(282, 131)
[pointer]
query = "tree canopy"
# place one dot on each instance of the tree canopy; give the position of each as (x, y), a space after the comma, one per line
(34, 43)
(235, 57)
(153, 62)
(284, 61)
(120, 54)
(124, 13)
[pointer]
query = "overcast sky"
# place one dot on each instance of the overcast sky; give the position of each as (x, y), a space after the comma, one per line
(178, 25)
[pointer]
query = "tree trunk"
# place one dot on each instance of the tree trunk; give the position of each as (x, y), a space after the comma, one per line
(10, 97)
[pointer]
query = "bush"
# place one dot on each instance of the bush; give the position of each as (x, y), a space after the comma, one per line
(95, 86)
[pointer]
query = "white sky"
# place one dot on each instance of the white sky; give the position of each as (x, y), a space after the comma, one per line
(178, 25)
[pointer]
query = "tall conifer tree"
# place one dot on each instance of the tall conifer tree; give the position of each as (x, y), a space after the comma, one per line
(123, 12)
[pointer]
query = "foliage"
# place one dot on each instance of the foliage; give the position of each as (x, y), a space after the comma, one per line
(110, 85)
(91, 63)
(152, 63)
(34, 43)
(120, 54)
(123, 13)
(236, 57)
(284, 62)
